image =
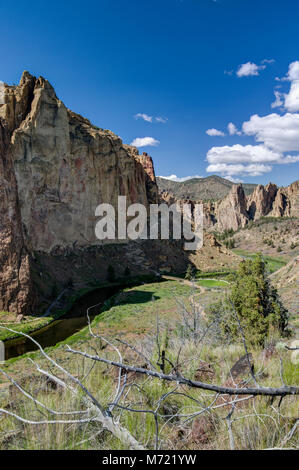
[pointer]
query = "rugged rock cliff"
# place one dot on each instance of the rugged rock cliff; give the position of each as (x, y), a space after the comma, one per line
(55, 169)
(231, 213)
(260, 202)
(16, 291)
(65, 167)
(237, 209)
(292, 194)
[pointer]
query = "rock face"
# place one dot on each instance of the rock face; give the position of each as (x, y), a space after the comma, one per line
(55, 169)
(260, 202)
(231, 213)
(65, 167)
(281, 204)
(292, 193)
(16, 292)
(237, 208)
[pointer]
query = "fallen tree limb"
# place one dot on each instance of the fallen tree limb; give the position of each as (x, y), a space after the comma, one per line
(260, 391)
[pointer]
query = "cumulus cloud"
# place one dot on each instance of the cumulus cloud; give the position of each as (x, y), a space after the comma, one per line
(249, 69)
(280, 133)
(234, 180)
(278, 100)
(277, 135)
(232, 129)
(242, 154)
(178, 179)
(250, 160)
(227, 170)
(215, 133)
(290, 100)
(293, 73)
(145, 142)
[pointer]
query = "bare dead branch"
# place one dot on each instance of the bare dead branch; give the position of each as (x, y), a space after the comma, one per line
(261, 391)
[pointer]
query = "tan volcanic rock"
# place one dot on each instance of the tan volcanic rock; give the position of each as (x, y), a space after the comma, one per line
(65, 167)
(147, 164)
(260, 202)
(55, 169)
(16, 292)
(231, 213)
(293, 196)
(281, 205)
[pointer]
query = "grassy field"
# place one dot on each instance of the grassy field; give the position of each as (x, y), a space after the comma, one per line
(273, 264)
(132, 316)
(212, 283)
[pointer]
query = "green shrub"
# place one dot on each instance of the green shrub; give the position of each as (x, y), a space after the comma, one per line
(190, 273)
(254, 303)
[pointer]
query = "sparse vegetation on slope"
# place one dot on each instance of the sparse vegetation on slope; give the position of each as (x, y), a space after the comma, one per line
(212, 188)
(186, 418)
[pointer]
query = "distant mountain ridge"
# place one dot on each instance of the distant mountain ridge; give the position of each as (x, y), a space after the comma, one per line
(212, 188)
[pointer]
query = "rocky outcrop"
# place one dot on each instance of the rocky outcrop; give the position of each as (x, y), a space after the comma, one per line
(237, 209)
(56, 168)
(16, 291)
(231, 213)
(145, 160)
(65, 167)
(260, 202)
(293, 197)
(281, 204)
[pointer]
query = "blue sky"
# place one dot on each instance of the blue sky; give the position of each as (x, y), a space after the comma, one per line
(179, 60)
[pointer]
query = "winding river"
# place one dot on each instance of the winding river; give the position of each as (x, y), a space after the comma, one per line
(61, 329)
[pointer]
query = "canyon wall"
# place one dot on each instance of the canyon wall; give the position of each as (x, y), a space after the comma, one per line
(237, 209)
(65, 167)
(16, 289)
(55, 169)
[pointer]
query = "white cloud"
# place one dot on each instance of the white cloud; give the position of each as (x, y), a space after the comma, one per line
(249, 69)
(291, 99)
(215, 132)
(291, 102)
(232, 129)
(178, 179)
(280, 133)
(250, 160)
(268, 61)
(227, 170)
(161, 119)
(242, 154)
(148, 118)
(278, 101)
(234, 180)
(144, 116)
(145, 141)
(293, 73)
